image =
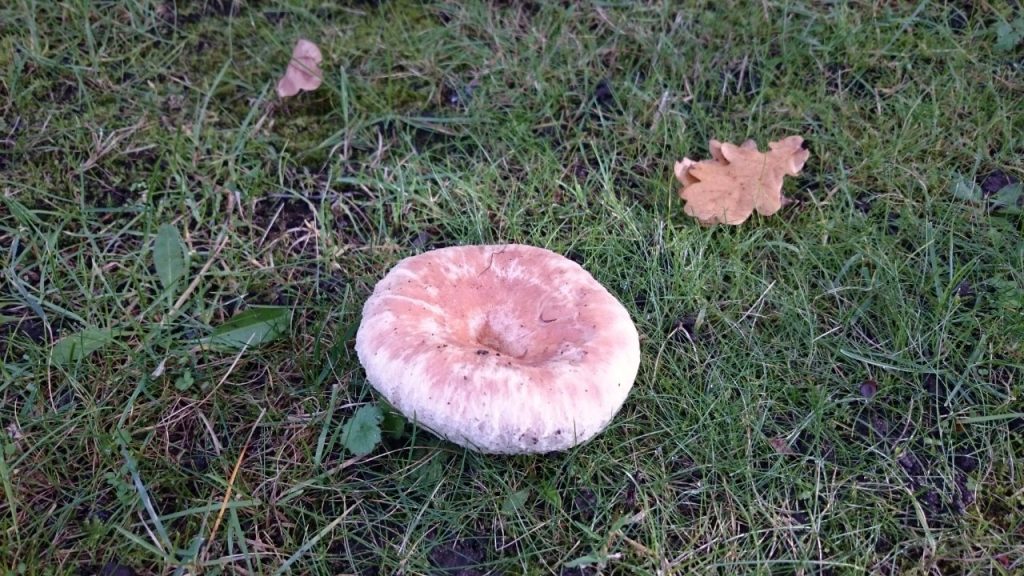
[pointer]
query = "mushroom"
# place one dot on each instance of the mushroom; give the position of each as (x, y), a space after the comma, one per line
(500, 349)
(303, 71)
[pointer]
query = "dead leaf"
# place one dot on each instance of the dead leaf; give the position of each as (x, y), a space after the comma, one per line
(303, 72)
(781, 446)
(14, 431)
(739, 179)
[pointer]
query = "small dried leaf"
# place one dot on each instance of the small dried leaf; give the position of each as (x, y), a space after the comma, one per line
(739, 179)
(781, 446)
(303, 72)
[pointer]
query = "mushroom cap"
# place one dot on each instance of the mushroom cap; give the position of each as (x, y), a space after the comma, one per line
(501, 349)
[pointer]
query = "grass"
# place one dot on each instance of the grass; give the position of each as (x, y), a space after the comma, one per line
(749, 443)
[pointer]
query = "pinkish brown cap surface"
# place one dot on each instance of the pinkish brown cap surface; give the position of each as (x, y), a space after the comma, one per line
(501, 349)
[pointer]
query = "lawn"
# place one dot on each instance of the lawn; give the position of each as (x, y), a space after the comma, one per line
(835, 389)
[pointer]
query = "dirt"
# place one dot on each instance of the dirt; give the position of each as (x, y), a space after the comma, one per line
(281, 216)
(964, 496)
(942, 495)
(197, 462)
(843, 80)
(629, 501)
(584, 505)
(332, 283)
(892, 223)
(28, 328)
(965, 290)
(686, 479)
(459, 557)
(275, 16)
(7, 145)
(527, 7)
(108, 184)
(957, 20)
(456, 97)
(578, 169)
(996, 181)
(110, 569)
(100, 195)
(937, 393)
(64, 92)
(911, 465)
(423, 137)
(172, 15)
(603, 95)
(807, 183)
(965, 461)
(114, 569)
(229, 8)
(630, 183)
(355, 555)
(359, 551)
(863, 202)
(579, 571)
(194, 465)
(800, 519)
(941, 499)
(429, 238)
(684, 329)
(1005, 376)
(741, 79)
(640, 300)
(575, 256)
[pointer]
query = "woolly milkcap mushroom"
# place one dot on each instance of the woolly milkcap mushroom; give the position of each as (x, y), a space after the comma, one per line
(501, 349)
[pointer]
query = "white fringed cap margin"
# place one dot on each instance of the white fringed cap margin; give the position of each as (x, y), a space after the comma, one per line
(501, 349)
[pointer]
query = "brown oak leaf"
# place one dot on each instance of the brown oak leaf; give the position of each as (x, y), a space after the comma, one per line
(303, 72)
(739, 179)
